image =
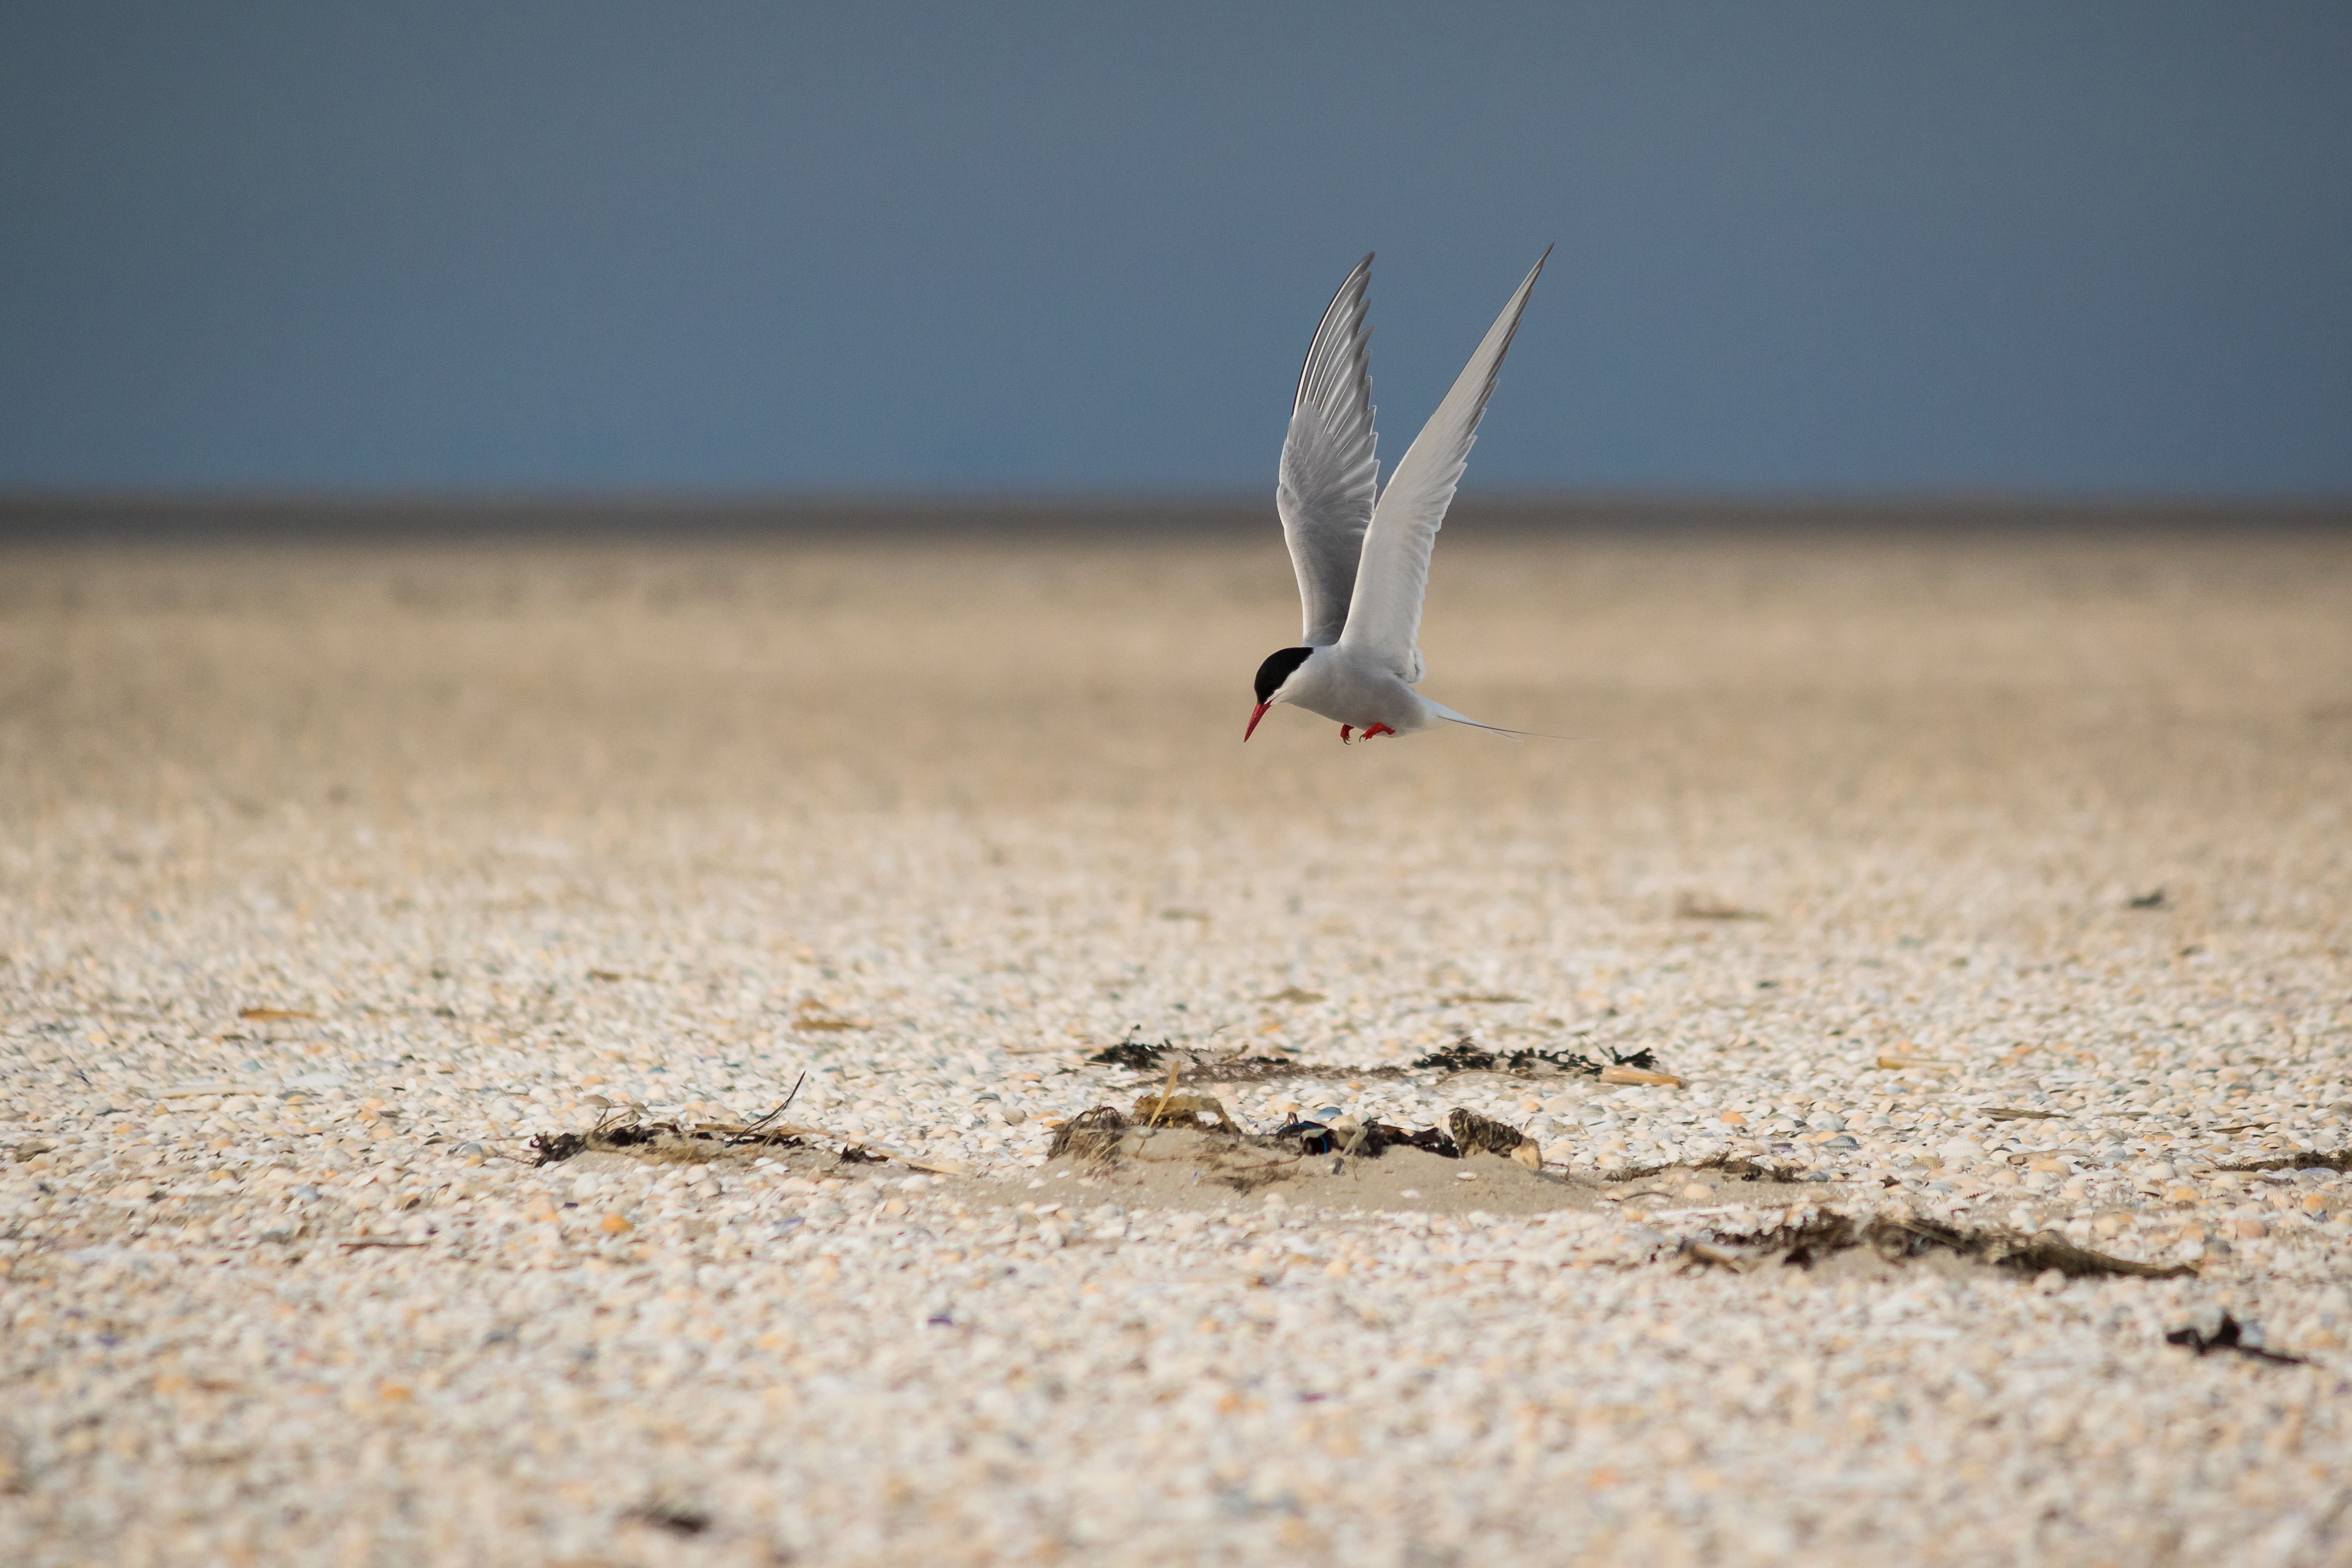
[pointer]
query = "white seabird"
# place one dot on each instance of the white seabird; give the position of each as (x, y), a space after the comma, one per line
(1362, 552)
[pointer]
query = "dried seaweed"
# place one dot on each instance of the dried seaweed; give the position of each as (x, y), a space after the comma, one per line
(554, 1148)
(2230, 1335)
(1091, 1136)
(1738, 1167)
(1899, 1239)
(1379, 1135)
(1368, 1140)
(1170, 1109)
(1139, 1056)
(1260, 1069)
(1134, 1055)
(2049, 1249)
(2298, 1160)
(663, 1141)
(1465, 1056)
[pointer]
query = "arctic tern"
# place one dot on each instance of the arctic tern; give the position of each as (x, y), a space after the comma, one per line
(1362, 552)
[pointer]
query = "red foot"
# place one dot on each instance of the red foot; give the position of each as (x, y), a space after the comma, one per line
(1378, 729)
(1345, 730)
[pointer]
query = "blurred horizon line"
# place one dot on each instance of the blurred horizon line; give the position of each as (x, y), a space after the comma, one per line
(292, 516)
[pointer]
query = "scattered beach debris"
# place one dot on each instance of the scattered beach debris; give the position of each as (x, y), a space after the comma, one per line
(1196, 1066)
(2146, 901)
(1367, 1139)
(1259, 1070)
(663, 1141)
(622, 1129)
(2297, 1160)
(1170, 1109)
(1429, 1141)
(1474, 998)
(1135, 1055)
(785, 1104)
(2023, 1113)
(1895, 1061)
(275, 1015)
(1476, 1135)
(1896, 1237)
(1294, 995)
(1090, 1135)
(1466, 1055)
(1737, 1167)
(2230, 1335)
(1187, 1130)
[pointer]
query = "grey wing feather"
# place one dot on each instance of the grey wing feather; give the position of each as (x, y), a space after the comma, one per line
(1329, 475)
(1384, 614)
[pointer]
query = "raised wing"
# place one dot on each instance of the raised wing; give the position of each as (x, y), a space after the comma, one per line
(1384, 614)
(1329, 473)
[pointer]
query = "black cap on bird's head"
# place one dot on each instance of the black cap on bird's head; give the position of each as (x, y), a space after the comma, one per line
(1276, 669)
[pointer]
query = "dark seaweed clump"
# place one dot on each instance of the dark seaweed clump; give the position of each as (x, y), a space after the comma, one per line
(554, 1148)
(1897, 1238)
(1090, 1135)
(1135, 1055)
(663, 1141)
(2230, 1336)
(1465, 1056)
(1368, 1141)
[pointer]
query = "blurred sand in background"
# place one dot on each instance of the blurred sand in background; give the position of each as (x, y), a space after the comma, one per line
(1804, 676)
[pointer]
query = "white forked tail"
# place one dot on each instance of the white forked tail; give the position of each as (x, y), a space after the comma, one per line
(1518, 736)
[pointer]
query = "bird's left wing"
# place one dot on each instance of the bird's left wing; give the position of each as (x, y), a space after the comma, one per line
(1328, 472)
(1384, 611)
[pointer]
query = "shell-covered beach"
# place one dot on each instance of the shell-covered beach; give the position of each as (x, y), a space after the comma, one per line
(1971, 892)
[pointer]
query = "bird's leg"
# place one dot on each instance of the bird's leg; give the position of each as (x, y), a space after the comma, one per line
(1346, 730)
(1378, 729)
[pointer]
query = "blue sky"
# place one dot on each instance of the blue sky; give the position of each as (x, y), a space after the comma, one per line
(1802, 246)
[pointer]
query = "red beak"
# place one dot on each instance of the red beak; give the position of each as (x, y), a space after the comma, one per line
(1257, 713)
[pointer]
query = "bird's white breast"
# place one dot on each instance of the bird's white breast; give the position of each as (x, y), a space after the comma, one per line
(1346, 687)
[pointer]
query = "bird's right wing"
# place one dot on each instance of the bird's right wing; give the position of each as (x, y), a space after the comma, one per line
(1384, 612)
(1329, 473)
